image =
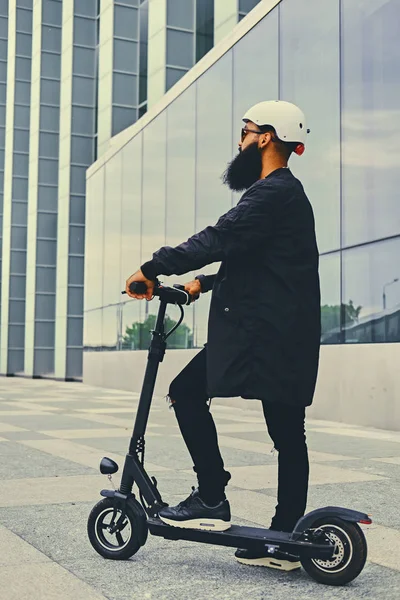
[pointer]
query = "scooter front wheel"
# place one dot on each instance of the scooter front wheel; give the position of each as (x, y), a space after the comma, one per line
(115, 537)
(349, 555)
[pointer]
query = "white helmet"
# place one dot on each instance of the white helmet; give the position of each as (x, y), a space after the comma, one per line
(286, 118)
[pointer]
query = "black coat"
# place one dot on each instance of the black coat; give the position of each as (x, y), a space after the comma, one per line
(264, 322)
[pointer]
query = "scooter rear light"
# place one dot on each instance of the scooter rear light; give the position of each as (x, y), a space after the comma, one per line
(365, 521)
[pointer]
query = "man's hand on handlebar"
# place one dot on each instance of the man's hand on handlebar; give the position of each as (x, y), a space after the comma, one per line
(193, 288)
(138, 276)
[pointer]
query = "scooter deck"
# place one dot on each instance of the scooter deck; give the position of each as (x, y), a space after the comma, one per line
(237, 536)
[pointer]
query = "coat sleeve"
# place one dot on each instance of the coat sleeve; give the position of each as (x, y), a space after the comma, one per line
(206, 282)
(239, 231)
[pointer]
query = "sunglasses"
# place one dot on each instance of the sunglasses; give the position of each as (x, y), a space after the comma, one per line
(245, 131)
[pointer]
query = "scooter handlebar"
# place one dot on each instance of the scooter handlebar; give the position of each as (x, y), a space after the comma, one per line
(171, 295)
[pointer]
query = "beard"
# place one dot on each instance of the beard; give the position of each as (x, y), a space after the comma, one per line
(244, 169)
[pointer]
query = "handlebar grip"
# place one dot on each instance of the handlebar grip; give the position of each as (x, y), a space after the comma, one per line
(138, 287)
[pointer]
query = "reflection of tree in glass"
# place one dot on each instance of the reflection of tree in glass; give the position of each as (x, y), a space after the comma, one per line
(330, 315)
(138, 336)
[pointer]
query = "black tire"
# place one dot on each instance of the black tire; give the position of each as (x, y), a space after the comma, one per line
(350, 553)
(127, 540)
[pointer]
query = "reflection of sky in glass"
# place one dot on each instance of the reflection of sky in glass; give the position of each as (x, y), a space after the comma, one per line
(371, 119)
(365, 272)
(94, 240)
(310, 78)
(112, 230)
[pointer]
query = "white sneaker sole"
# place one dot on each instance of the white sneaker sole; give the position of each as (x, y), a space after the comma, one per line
(204, 524)
(272, 563)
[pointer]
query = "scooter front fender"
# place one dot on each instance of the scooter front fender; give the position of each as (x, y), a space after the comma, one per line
(347, 514)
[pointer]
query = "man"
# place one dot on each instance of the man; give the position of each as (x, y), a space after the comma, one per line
(264, 322)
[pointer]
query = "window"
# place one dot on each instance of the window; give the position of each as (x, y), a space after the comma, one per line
(84, 61)
(51, 38)
(21, 140)
(81, 150)
(75, 301)
(23, 44)
(48, 145)
(125, 56)
(45, 306)
(180, 13)
(52, 12)
(76, 239)
(46, 253)
(82, 120)
(77, 210)
(179, 48)
(47, 197)
(124, 89)
(247, 5)
(174, 75)
(51, 65)
(21, 116)
(20, 188)
(23, 68)
(204, 27)
(84, 31)
(21, 165)
(122, 118)
(125, 22)
(48, 171)
(22, 92)
(18, 262)
(78, 180)
(19, 213)
(87, 8)
(24, 20)
(45, 279)
(50, 91)
(49, 118)
(83, 91)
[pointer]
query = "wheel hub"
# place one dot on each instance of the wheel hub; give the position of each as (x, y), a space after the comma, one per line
(343, 549)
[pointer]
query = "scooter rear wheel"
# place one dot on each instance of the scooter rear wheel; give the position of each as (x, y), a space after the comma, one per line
(349, 556)
(127, 538)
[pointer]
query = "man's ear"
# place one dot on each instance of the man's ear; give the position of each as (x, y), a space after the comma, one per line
(264, 140)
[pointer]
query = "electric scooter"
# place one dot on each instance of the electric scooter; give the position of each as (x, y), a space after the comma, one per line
(331, 545)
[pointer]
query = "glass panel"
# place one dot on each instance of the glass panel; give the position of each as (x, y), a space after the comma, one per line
(213, 151)
(75, 270)
(21, 165)
(18, 238)
(112, 284)
(246, 5)
(132, 330)
(174, 75)
(180, 13)
(19, 213)
(81, 150)
(48, 144)
(44, 335)
(43, 362)
(47, 225)
(82, 120)
(78, 180)
(46, 253)
(131, 188)
(50, 91)
(318, 96)
(20, 188)
(49, 118)
(110, 328)
(16, 336)
(17, 311)
(153, 200)
(3, 27)
(3, 93)
(180, 48)
(75, 301)
(74, 362)
(122, 118)
(93, 330)
(48, 171)
(371, 293)
(94, 241)
(204, 27)
(329, 272)
(370, 119)
(22, 92)
(125, 56)
(144, 34)
(125, 22)
(45, 306)
(52, 12)
(88, 8)
(51, 65)
(125, 89)
(83, 90)
(77, 209)
(45, 279)
(76, 239)
(17, 286)
(51, 38)
(24, 20)
(84, 31)
(84, 61)
(23, 68)
(47, 197)
(24, 44)
(18, 262)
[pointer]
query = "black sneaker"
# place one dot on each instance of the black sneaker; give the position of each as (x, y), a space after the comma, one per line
(193, 513)
(280, 560)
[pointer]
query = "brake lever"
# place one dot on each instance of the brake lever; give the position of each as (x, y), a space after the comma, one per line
(191, 298)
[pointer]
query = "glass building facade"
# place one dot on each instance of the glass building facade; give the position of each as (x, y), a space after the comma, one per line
(74, 74)
(337, 59)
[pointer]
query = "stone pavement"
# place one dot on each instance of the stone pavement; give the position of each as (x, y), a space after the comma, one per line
(52, 436)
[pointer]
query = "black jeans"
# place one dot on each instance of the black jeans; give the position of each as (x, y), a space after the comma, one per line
(285, 425)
